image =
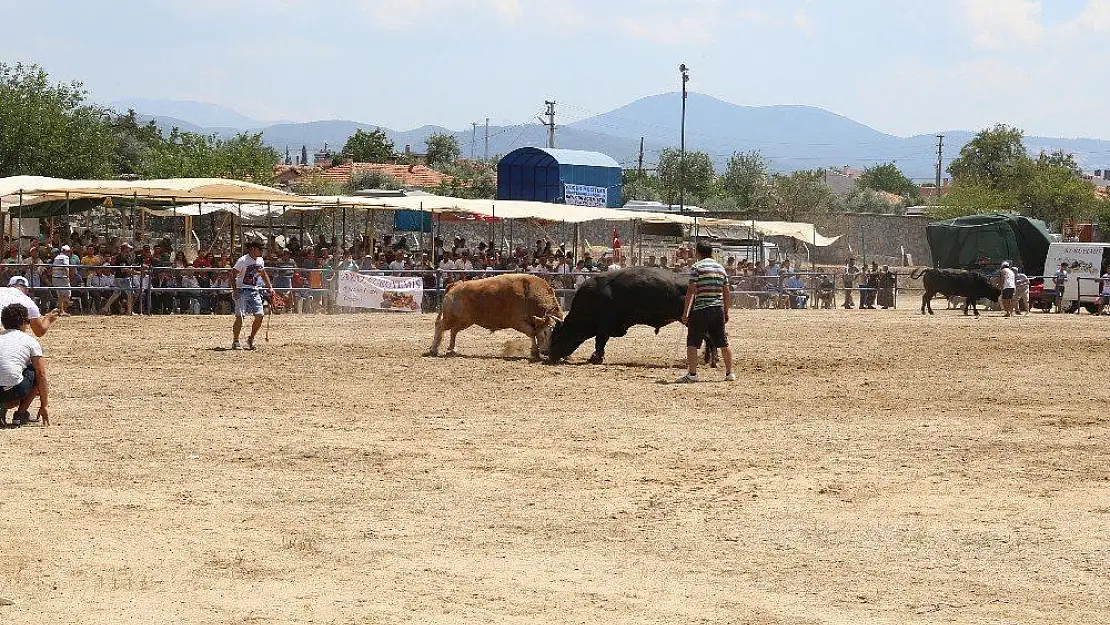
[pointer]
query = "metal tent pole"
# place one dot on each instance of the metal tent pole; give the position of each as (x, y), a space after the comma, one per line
(67, 219)
(20, 225)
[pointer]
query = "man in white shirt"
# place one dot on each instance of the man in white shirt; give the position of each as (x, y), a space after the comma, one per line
(1009, 285)
(398, 263)
(22, 372)
(17, 293)
(60, 276)
(244, 284)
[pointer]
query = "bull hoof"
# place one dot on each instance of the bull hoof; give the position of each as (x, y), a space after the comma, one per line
(596, 358)
(431, 353)
(451, 353)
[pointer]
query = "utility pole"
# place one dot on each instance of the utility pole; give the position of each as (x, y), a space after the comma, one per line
(550, 123)
(473, 137)
(640, 160)
(487, 139)
(685, 72)
(940, 161)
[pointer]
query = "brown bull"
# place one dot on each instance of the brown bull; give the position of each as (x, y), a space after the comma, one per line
(518, 302)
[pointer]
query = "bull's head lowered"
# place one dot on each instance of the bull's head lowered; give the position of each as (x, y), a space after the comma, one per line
(545, 328)
(559, 345)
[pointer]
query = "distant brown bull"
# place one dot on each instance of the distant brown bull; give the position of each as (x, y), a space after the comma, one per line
(518, 302)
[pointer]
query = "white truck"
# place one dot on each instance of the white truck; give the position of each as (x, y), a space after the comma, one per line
(1085, 263)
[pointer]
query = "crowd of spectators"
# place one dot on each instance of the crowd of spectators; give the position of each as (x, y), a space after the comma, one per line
(93, 274)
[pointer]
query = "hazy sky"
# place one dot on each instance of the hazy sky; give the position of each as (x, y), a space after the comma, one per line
(901, 66)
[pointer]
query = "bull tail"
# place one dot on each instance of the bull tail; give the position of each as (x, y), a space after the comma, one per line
(915, 275)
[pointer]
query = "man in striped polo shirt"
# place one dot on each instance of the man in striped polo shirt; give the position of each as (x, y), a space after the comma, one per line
(706, 312)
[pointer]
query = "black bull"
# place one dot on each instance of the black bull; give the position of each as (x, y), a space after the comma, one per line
(967, 284)
(608, 304)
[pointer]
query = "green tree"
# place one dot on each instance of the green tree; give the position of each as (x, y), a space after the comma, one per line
(969, 198)
(800, 193)
(699, 180)
(1056, 193)
(1060, 158)
(867, 200)
(369, 147)
(47, 129)
(887, 177)
(995, 158)
(133, 142)
(476, 180)
(317, 185)
(443, 150)
(639, 186)
(191, 155)
(745, 181)
(372, 180)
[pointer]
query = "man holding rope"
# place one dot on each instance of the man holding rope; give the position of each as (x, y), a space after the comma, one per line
(248, 300)
(705, 312)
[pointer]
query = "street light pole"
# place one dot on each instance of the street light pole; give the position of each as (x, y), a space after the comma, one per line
(685, 73)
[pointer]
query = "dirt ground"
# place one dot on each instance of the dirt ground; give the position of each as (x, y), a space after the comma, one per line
(868, 467)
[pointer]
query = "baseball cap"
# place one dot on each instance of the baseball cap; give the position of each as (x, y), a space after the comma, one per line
(1005, 263)
(19, 281)
(66, 248)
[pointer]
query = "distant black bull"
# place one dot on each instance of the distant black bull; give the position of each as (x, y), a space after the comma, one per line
(970, 285)
(608, 304)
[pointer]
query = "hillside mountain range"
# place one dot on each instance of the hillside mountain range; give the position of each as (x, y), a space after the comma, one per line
(790, 137)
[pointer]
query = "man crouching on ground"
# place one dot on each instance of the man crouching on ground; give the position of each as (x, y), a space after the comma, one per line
(22, 372)
(248, 300)
(706, 312)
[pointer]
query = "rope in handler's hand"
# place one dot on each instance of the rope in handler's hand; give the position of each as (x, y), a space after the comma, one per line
(277, 302)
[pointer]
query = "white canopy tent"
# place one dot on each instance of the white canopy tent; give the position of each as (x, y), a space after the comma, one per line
(202, 196)
(29, 190)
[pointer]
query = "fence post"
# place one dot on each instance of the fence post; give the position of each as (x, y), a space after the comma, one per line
(439, 288)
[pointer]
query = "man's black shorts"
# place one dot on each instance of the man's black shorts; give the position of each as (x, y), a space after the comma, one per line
(1007, 293)
(21, 390)
(707, 322)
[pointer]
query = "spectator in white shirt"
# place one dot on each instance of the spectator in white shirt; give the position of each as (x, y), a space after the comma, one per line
(1009, 285)
(60, 276)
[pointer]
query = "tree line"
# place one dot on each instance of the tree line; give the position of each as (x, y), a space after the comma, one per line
(995, 173)
(51, 129)
(748, 187)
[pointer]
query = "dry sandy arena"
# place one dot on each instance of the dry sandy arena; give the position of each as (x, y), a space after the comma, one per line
(869, 467)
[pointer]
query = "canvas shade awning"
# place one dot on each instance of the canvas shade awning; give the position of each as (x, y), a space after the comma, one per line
(30, 190)
(807, 233)
(246, 210)
(38, 196)
(502, 209)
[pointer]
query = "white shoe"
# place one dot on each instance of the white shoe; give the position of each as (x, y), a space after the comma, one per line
(689, 378)
(730, 377)
(236, 346)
